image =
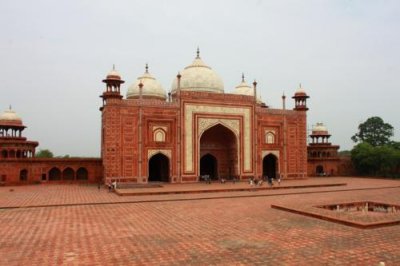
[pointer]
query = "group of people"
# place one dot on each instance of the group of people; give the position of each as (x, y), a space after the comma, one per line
(258, 182)
(252, 181)
(222, 180)
(111, 186)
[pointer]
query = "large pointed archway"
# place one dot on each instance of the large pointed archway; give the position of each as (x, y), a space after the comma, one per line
(159, 168)
(270, 166)
(219, 153)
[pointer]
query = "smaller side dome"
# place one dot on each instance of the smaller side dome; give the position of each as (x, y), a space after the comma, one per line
(10, 117)
(151, 88)
(319, 129)
(113, 74)
(300, 92)
(244, 89)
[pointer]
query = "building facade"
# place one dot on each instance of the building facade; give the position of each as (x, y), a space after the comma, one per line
(323, 158)
(198, 129)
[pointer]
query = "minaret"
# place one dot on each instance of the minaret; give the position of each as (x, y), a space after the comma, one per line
(300, 99)
(283, 101)
(300, 104)
(113, 83)
(254, 90)
(256, 153)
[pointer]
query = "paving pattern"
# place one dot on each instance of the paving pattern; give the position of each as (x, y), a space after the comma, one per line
(232, 228)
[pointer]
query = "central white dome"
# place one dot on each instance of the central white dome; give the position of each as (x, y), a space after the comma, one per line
(199, 77)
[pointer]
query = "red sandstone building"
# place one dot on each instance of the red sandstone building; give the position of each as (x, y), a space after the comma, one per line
(198, 129)
(194, 130)
(323, 159)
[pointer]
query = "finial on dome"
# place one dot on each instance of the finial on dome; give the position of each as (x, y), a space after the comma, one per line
(242, 77)
(300, 85)
(147, 68)
(114, 67)
(9, 107)
(255, 84)
(283, 101)
(198, 52)
(255, 91)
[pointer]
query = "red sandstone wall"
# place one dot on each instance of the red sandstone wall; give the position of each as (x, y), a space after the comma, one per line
(296, 145)
(121, 148)
(38, 170)
(121, 151)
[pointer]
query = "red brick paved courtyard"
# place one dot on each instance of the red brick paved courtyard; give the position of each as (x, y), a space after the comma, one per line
(226, 228)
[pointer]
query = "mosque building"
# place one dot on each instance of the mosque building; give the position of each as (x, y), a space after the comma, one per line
(199, 129)
(196, 129)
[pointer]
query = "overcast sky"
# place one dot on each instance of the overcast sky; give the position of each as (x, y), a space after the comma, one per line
(54, 54)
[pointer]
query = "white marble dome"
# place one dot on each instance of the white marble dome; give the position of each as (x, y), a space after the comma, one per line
(113, 74)
(10, 116)
(300, 91)
(319, 127)
(244, 89)
(151, 87)
(199, 77)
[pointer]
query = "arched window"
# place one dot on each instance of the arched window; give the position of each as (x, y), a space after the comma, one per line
(270, 138)
(23, 175)
(159, 135)
(82, 174)
(12, 154)
(4, 153)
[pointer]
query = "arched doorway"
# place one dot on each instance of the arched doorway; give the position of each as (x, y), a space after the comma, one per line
(159, 168)
(23, 175)
(219, 153)
(208, 166)
(68, 174)
(270, 166)
(82, 174)
(319, 170)
(54, 174)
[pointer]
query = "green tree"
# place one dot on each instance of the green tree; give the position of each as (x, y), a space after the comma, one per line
(362, 156)
(395, 145)
(45, 153)
(374, 131)
(376, 161)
